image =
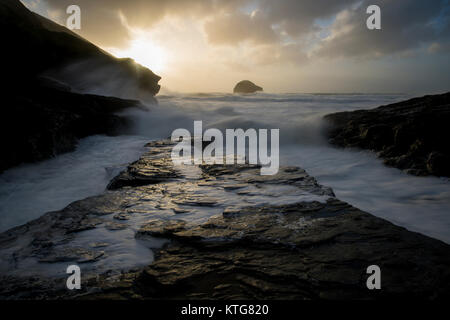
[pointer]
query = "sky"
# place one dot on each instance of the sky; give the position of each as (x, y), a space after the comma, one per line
(284, 46)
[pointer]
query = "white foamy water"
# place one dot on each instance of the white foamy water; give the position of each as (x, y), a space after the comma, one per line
(358, 177)
(28, 191)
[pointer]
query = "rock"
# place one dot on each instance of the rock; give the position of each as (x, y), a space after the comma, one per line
(41, 120)
(41, 116)
(313, 246)
(438, 164)
(149, 169)
(122, 216)
(113, 226)
(246, 86)
(158, 228)
(65, 55)
(234, 186)
(408, 135)
(78, 255)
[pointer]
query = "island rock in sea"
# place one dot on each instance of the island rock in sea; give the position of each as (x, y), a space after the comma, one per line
(246, 86)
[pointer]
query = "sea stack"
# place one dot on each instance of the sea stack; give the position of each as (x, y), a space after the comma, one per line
(246, 86)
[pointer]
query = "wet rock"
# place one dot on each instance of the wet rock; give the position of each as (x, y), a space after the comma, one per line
(44, 116)
(158, 228)
(112, 226)
(407, 135)
(438, 164)
(68, 254)
(99, 244)
(196, 201)
(121, 216)
(179, 210)
(313, 246)
(45, 121)
(220, 170)
(293, 252)
(86, 223)
(143, 172)
(153, 167)
(235, 186)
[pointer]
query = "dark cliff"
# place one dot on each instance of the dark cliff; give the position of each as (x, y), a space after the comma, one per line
(409, 135)
(48, 73)
(34, 45)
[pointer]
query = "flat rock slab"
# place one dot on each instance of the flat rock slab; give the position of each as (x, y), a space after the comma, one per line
(218, 232)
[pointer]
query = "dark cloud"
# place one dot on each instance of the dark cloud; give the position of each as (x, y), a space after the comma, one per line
(280, 27)
(406, 25)
(297, 17)
(269, 19)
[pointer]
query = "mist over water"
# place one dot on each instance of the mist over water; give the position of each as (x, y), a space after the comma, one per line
(358, 177)
(28, 191)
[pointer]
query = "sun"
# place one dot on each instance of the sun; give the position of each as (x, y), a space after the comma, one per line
(144, 52)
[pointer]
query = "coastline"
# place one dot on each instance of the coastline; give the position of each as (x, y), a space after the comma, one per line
(309, 245)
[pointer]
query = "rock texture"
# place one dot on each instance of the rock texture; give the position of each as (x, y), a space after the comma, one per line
(408, 135)
(46, 69)
(44, 118)
(246, 86)
(147, 170)
(34, 45)
(218, 232)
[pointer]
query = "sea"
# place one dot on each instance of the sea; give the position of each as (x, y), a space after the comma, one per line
(420, 204)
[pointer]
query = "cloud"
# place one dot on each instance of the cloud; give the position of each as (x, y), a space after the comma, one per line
(228, 21)
(236, 27)
(270, 20)
(406, 25)
(437, 47)
(298, 17)
(283, 30)
(107, 22)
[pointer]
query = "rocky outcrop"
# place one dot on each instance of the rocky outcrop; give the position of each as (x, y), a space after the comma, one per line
(218, 232)
(46, 68)
(34, 45)
(246, 86)
(44, 118)
(408, 135)
(147, 170)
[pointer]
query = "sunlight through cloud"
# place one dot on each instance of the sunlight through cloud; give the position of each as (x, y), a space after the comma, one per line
(144, 51)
